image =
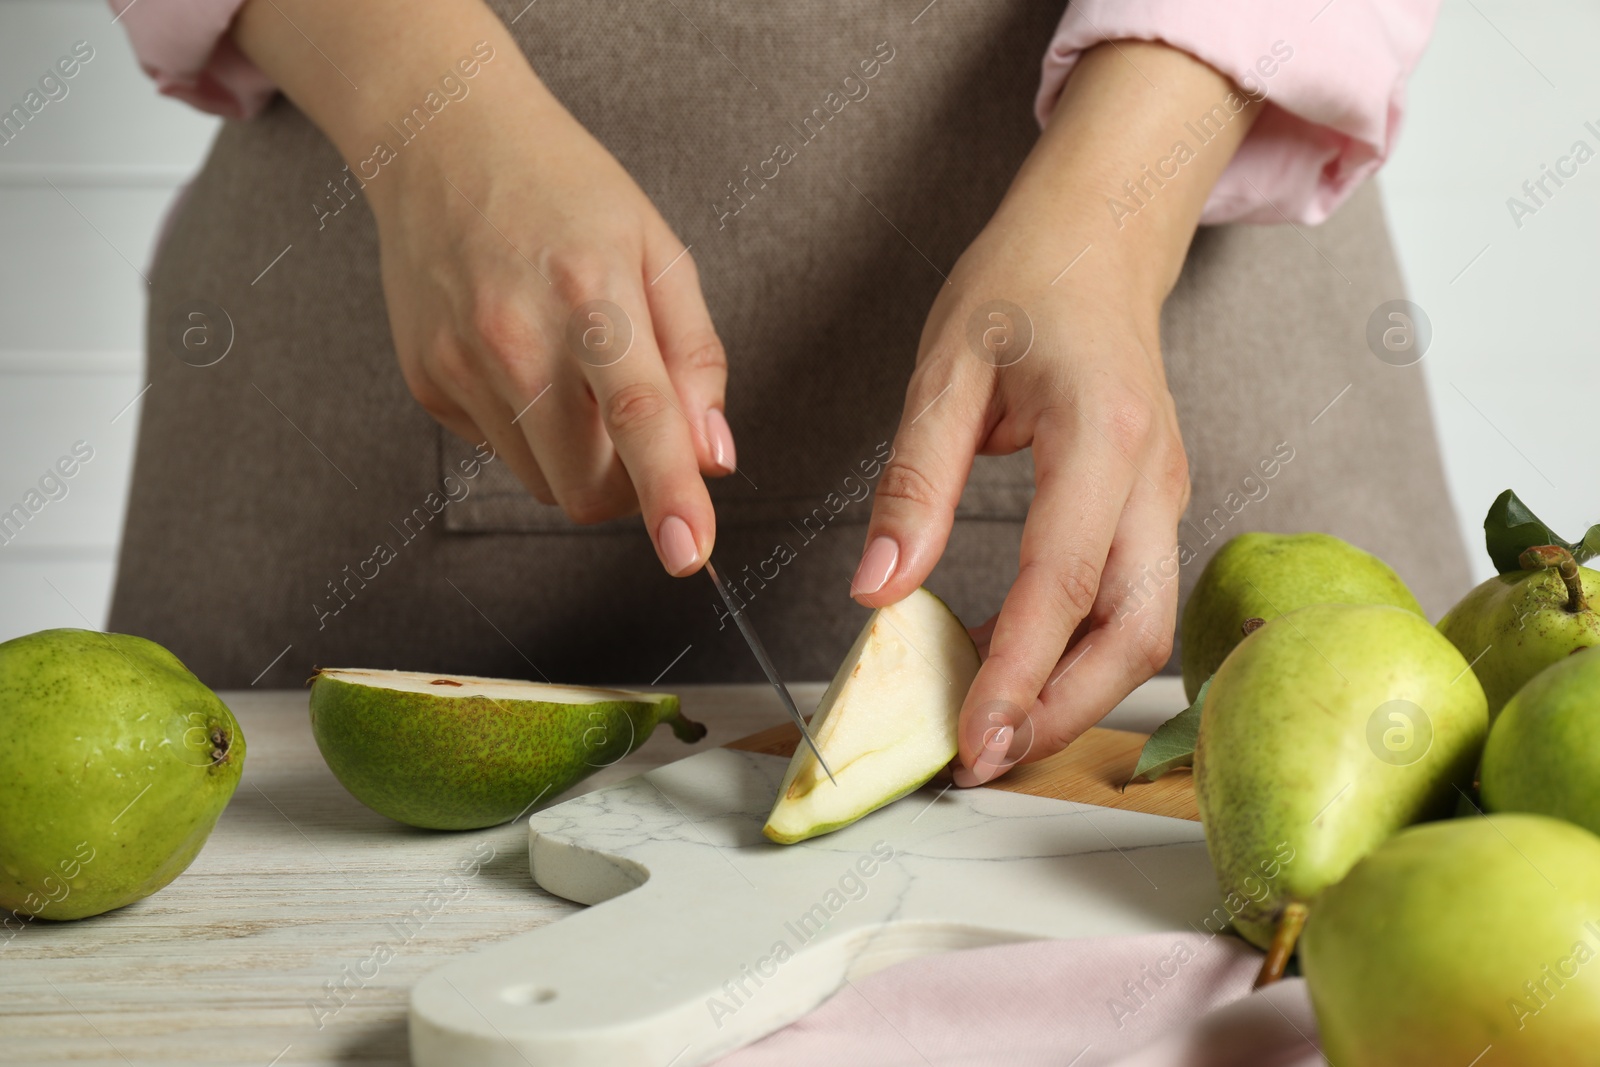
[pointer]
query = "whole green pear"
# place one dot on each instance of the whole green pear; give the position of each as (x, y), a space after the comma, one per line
(1515, 625)
(116, 763)
(1327, 730)
(1475, 940)
(1264, 575)
(1543, 752)
(453, 752)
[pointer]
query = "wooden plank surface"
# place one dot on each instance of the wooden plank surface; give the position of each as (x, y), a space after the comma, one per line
(300, 886)
(1094, 769)
(297, 888)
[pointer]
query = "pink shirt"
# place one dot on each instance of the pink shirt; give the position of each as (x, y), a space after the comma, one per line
(1333, 73)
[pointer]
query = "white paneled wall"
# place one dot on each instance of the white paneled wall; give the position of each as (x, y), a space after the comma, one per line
(1504, 89)
(83, 189)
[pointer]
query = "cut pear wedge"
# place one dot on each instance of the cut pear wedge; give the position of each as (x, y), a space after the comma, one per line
(887, 723)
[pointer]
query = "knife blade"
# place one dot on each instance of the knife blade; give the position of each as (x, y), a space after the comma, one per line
(767, 667)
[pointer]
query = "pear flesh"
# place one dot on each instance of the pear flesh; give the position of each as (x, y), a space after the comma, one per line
(1264, 575)
(1458, 936)
(455, 752)
(1326, 731)
(1543, 753)
(886, 724)
(1516, 624)
(116, 765)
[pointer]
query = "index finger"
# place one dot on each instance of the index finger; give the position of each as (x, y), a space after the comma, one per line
(616, 347)
(1082, 488)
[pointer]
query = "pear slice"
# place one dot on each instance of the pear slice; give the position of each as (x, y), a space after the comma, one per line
(887, 723)
(454, 752)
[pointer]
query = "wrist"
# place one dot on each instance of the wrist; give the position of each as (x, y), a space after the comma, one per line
(484, 131)
(1120, 174)
(1061, 227)
(387, 97)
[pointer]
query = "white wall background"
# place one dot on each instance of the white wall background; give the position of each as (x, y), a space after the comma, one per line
(1502, 90)
(82, 192)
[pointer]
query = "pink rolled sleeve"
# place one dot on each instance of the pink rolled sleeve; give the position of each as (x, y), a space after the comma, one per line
(185, 46)
(1333, 75)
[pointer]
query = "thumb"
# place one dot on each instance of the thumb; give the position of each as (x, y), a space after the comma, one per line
(915, 502)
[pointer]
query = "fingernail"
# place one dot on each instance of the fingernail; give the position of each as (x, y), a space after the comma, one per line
(721, 438)
(990, 762)
(877, 563)
(677, 544)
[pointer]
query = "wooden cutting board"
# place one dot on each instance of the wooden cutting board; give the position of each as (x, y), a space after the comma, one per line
(704, 936)
(1094, 769)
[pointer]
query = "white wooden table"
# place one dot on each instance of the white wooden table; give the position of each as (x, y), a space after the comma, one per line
(233, 963)
(302, 891)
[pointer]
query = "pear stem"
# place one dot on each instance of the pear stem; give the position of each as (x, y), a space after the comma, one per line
(1290, 923)
(687, 730)
(1555, 556)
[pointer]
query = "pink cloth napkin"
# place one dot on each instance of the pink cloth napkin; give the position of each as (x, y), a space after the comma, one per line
(1156, 1000)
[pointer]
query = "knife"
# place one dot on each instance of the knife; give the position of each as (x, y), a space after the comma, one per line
(765, 660)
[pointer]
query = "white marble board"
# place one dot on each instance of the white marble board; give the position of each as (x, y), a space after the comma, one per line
(706, 936)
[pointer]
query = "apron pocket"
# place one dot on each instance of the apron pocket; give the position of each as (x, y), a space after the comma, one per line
(494, 501)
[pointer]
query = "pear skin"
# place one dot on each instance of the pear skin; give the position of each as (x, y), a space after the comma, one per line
(1515, 625)
(1262, 576)
(117, 763)
(454, 752)
(1475, 940)
(1543, 753)
(1325, 732)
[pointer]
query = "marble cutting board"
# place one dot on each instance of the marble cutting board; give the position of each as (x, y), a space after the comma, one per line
(706, 936)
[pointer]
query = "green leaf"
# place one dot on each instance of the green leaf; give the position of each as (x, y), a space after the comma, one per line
(1172, 745)
(1589, 547)
(1510, 527)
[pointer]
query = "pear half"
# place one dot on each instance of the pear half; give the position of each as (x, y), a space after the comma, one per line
(886, 725)
(454, 752)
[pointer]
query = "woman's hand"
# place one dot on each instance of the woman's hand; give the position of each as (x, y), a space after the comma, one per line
(1090, 397)
(537, 299)
(1047, 336)
(506, 262)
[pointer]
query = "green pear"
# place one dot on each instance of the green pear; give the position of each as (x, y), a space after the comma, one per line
(1543, 752)
(1473, 941)
(886, 725)
(116, 764)
(1264, 575)
(1327, 730)
(453, 752)
(1516, 624)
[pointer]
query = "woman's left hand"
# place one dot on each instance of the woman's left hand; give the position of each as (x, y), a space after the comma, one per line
(1048, 337)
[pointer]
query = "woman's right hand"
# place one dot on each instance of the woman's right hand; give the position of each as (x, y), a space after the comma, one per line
(537, 299)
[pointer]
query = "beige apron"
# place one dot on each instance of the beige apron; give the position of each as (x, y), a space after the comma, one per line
(293, 507)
